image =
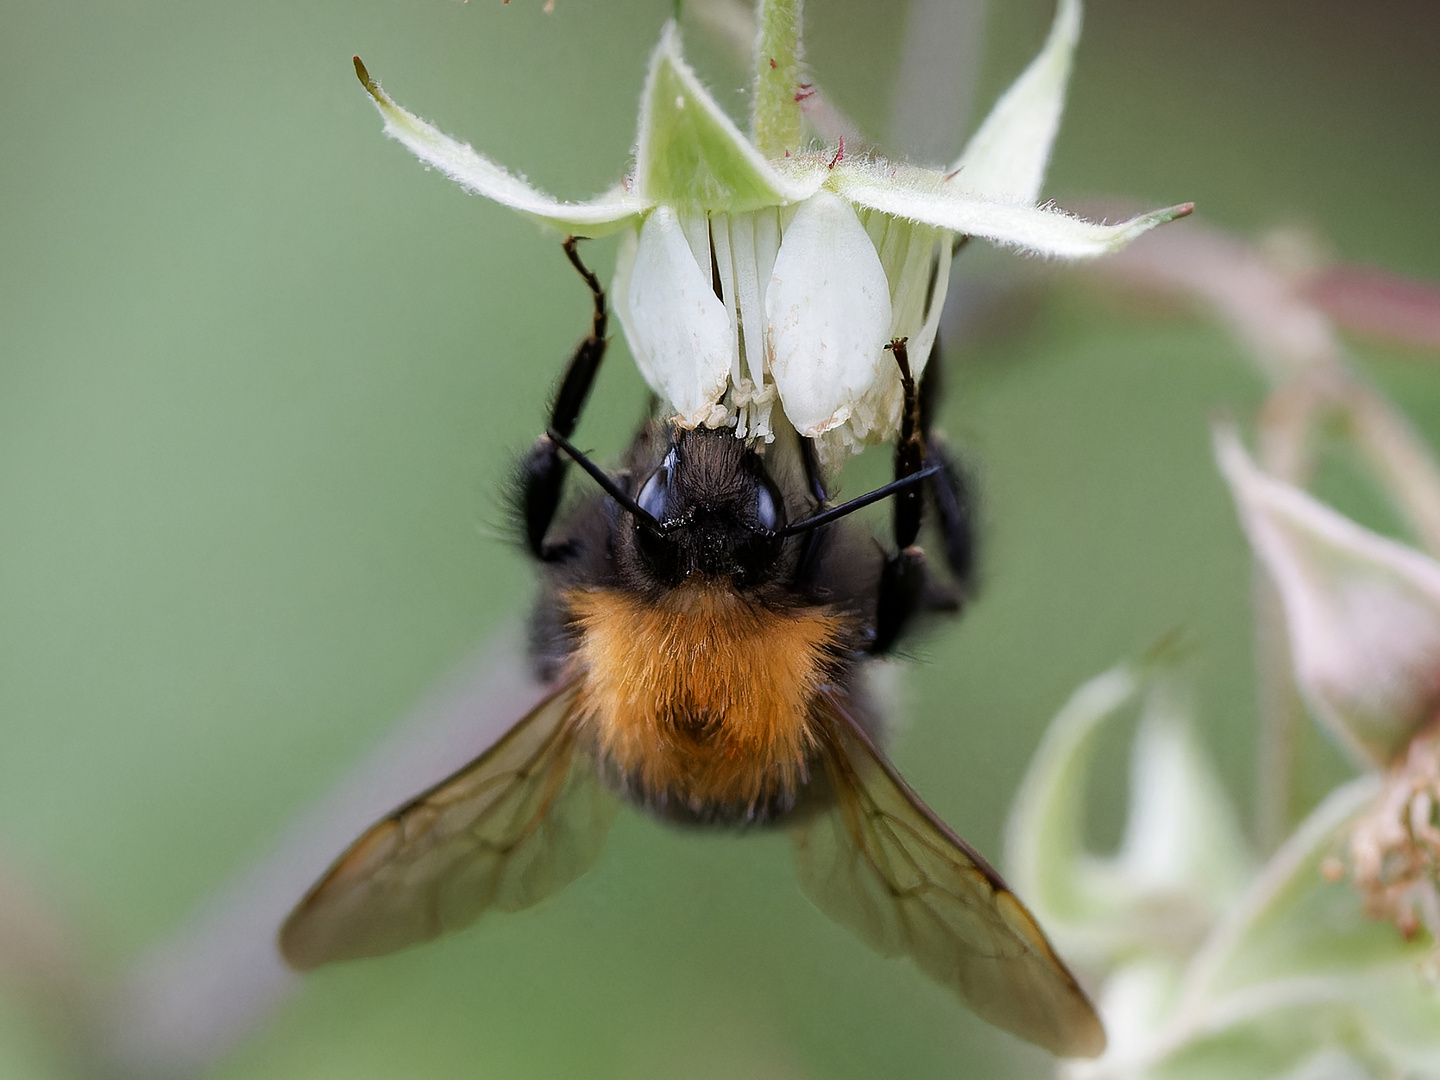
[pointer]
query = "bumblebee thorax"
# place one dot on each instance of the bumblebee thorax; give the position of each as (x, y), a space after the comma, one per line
(701, 701)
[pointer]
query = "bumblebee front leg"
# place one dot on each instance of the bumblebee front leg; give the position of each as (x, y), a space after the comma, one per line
(542, 475)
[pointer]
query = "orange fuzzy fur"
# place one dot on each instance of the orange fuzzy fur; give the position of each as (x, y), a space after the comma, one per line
(703, 696)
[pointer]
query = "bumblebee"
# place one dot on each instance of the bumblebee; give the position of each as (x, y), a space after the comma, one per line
(704, 625)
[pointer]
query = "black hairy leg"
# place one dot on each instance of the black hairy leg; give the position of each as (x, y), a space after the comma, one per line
(542, 473)
(951, 498)
(807, 565)
(903, 578)
(907, 586)
(950, 491)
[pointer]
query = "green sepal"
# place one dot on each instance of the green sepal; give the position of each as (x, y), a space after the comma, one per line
(689, 154)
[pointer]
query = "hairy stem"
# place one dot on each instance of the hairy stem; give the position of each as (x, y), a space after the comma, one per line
(778, 76)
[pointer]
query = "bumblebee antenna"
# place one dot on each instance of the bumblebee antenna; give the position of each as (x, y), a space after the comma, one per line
(606, 482)
(837, 512)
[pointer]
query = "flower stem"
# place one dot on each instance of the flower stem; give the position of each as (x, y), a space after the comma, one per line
(1285, 445)
(776, 119)
(1281, 720)
(1404, 466)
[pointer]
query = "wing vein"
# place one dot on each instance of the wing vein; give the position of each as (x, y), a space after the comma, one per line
(875, 858)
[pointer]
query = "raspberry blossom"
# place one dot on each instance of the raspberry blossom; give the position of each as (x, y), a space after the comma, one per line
(759, 271)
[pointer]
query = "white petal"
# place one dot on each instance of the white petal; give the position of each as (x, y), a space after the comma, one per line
(921, 343)
(1006, 158)
(916, 259)
(620, 299)
(675, 320)
(482, 176)
(921, 195)
(827, 312)
(1363, 612)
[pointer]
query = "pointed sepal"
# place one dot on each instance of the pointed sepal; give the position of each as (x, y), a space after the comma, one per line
(1183, 858)
(481, 176)
(920, 195)
(1005, 159)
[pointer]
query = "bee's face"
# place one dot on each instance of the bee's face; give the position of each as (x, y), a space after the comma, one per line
(721, 510)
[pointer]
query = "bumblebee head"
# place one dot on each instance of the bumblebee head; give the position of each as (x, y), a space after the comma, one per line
(709, 508)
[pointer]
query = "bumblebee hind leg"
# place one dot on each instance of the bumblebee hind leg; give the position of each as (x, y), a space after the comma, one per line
(950, 491)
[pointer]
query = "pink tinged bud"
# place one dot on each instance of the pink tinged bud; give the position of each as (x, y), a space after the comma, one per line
(1362, 611)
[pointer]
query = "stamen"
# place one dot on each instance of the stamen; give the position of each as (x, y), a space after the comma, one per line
(767, 246)
(696, 228)
(930, 285)
(722, 268)
(749, 308)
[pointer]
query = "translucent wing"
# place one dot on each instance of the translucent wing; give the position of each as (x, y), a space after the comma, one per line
(524, 819)
(879, 861)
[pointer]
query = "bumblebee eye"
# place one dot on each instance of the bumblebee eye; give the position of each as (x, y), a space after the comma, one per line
(767, 508)
(654, 497)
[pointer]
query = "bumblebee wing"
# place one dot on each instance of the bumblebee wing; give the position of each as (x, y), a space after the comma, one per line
(878, 861)
(518, 823)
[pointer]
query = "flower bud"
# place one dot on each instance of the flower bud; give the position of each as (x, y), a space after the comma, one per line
(1362, 611)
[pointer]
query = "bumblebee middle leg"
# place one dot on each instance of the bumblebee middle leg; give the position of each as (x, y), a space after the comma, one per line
(542, 474)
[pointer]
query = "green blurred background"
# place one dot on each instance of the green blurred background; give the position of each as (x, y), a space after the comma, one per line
(261, 377)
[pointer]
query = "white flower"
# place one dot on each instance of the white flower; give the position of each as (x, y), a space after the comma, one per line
(755, 270)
